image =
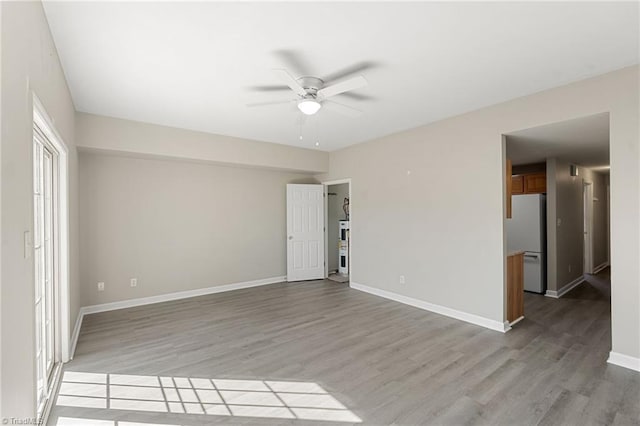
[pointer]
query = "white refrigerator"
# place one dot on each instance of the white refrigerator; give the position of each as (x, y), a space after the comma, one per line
(527, 231)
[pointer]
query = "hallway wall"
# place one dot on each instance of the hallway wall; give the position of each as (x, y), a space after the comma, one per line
(600, 217)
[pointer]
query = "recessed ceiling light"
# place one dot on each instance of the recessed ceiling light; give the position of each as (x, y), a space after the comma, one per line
(309, 106)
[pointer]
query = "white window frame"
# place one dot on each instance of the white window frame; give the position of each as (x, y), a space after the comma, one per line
(61, 174)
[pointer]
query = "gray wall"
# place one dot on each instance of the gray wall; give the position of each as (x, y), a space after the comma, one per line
(552, 269)
(429, 202)
(177, 225)
(29, 65)
(335, 214)
(101, 133)
(569, 233)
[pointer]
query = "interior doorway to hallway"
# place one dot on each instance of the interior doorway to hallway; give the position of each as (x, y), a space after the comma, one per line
(558, 205)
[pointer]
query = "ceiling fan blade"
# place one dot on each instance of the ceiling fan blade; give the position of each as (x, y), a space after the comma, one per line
(274, 88)
(357, 96)
(288, 79)
(293, 60)
(347, 71)
(343, 86)
(342, 109)
(259, 104)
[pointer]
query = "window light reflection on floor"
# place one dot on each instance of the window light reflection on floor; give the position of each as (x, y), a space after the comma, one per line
(73, 421)
(218, 397)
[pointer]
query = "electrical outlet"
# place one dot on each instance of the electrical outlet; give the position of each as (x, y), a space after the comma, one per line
(569, 268)
(134, 282)
(401, 279)
(101, 286)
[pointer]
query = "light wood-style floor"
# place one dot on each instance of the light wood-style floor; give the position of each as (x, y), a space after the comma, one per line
(298, 353)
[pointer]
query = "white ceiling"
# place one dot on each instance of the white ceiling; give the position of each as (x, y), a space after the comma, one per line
(584, 141)
(191, 65)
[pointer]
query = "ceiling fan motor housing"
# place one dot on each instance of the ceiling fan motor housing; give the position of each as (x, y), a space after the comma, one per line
(311, 85)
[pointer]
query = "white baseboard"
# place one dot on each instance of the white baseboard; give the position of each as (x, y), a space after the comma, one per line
(123, 304)
(625, 361)
(438, 309)
(76, 333)
(600, 267)
(565, 289)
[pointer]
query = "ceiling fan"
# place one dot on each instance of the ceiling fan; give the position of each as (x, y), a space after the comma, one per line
(312, 93)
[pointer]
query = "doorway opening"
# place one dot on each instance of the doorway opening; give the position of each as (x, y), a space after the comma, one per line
(338, 224)
(49, 245)
(557, 217)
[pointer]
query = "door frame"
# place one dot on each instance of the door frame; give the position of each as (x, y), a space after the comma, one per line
(326, 185)
(587, 211)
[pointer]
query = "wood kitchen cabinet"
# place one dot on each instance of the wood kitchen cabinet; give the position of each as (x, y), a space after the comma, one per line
(517, 185)
(529, 183)
(528, 180)
(535, 183)
(515, 287)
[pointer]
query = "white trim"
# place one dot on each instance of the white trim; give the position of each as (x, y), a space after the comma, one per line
(76, 333)
(565, 289)
(438, 309)
(45, 124)
(123, 304)
(600, 267)
(625, 361)
(53, 391)
(336, 182)
(325, 225)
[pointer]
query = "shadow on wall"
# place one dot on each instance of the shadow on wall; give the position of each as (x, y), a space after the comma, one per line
(305, 181)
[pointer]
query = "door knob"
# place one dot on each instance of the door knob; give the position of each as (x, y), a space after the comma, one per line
(291, 237)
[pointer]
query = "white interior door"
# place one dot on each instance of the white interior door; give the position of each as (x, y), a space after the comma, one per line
(305, 232)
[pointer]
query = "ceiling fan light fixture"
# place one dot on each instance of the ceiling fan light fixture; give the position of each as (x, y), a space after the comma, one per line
(309, 106)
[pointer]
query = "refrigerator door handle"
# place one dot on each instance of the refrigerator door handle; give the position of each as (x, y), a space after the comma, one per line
(533, 272)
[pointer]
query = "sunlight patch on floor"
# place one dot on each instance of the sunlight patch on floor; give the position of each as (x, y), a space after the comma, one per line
(188, 395)
(75, 421)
